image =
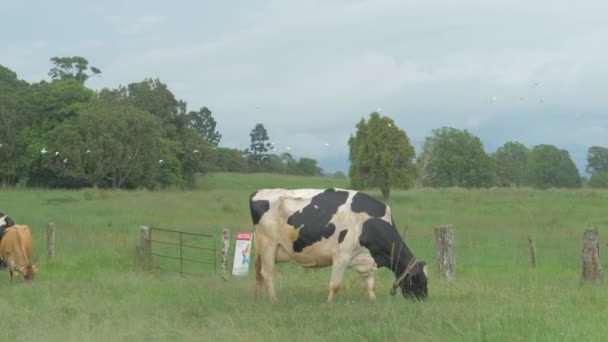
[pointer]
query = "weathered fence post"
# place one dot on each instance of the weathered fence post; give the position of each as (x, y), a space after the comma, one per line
(145, 248)
(532, 251)
(225, 249)
(592, 265)
(50, 240)
(446, 260)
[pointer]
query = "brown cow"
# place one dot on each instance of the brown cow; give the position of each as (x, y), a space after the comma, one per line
(16, 251)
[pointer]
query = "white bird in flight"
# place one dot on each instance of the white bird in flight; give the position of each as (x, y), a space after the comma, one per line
(44, 150)
(65, 160)
(56, 153)
(161, 161)
(195, 151)
(88, 151)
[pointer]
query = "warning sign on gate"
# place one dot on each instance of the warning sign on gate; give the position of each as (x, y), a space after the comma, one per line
(242, 250)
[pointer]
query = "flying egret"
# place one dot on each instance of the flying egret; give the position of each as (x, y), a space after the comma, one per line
(65, 160)
(161, 161)
(44, 150)
(88, 151)
(195, 151)
(288, 148)
(56, 153)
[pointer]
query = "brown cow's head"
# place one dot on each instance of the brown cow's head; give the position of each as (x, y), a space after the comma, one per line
(414, 284)
(28, 272)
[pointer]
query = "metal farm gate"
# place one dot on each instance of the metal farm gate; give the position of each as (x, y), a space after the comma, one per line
(186, 249)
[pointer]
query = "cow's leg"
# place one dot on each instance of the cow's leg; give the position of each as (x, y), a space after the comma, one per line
(266, 251)
(10, 274)
(368, 280)
(340, 263)
(259, 280)
(267, 271)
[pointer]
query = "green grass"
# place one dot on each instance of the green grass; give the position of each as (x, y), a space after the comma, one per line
(94, 289)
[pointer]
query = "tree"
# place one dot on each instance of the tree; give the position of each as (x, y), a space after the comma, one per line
(14, 105)
(291, 165)
(230, 160)
(549, 166)
(597, 160)
(72, 68)
(452, 157)
(510, 160)
(598, 180)
(257, 153)
(308, 167)
(204, 123)
(381, 155)
(121, 144)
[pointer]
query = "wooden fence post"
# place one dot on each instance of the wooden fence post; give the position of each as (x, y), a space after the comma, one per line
(50, 240)
(225, 249)
(592, 265)
(532, 251)
(446, 260)
(145, 248)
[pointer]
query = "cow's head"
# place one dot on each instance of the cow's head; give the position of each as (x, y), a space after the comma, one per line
(414, 285)
(28, 272)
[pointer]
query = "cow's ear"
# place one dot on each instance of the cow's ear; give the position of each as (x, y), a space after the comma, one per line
(35, 267)
(424, 268)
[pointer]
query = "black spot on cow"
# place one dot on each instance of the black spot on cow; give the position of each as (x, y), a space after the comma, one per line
(382, 239)
(364, 203)
(342, 235)
(257, 208)
(313, 220)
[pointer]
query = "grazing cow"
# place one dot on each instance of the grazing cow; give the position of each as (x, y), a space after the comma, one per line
(341, 228)
(16, 251)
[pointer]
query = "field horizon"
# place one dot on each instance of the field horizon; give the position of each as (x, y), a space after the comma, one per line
(95, 289)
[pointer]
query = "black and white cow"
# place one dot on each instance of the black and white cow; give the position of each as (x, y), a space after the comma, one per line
(337, 227)
(5, 222)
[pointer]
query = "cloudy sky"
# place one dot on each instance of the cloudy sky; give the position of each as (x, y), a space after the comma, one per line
(530, 71)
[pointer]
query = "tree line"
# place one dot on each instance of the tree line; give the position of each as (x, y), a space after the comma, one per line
(59, 133)
(382, 157)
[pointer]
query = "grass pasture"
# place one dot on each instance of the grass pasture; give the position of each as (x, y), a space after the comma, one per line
(94, 290)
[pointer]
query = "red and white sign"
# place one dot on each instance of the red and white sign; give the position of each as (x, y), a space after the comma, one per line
(242, 249)
(244, 236)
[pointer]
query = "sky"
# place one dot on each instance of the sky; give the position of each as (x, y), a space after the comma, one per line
(535, 72)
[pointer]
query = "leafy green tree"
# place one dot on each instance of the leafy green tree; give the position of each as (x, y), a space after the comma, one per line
(64, 159)
(14, 105)
(549, 166)
(598, 180)
(597, 160)
(155, 97)
(510, 160)
(381, 155)
(258, 151)
(275, 164)
(204, 123)
(230, 160)
(291, 165)
(121, 144)
(452, 157)
(308, 167)
(55, 102)
(76, 68)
